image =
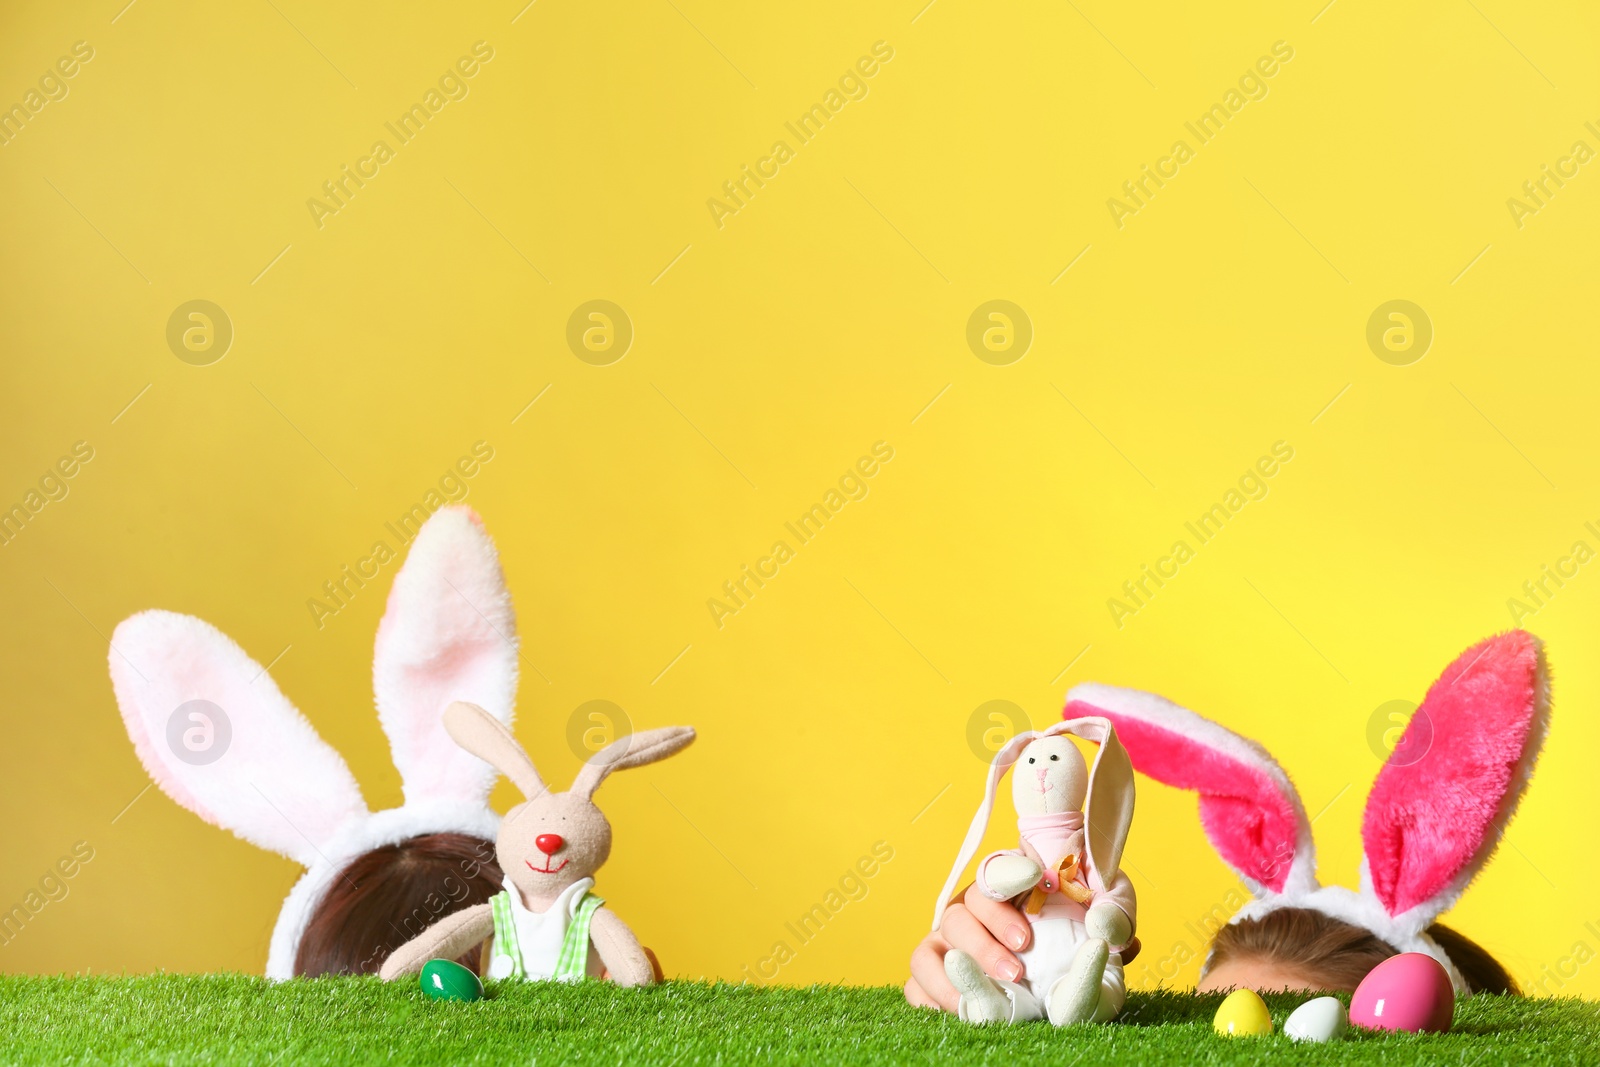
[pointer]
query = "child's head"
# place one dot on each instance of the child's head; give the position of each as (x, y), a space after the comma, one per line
(1431, 821)
(373, 878)
(1298, 948)
(385, 897)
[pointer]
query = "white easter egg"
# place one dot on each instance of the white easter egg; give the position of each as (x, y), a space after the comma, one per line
(1323, 1019)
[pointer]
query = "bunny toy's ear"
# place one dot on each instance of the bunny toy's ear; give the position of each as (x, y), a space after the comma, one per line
(448, 634)
(486, 737)
(1249, 809)
(635, 750)
(218, 737)
(1108, 812)
(1008, 755)
(1441, 802)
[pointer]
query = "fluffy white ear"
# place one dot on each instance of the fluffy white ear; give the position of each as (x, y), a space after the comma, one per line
(448, 634)
(246, 760)
(1249, 809)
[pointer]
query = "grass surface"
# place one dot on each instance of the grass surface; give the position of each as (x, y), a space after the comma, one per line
(183, 1019)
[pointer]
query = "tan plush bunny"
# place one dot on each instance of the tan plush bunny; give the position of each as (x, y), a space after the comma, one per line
(547, 924)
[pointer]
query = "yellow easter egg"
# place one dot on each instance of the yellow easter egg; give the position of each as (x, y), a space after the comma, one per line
(1243, 1014)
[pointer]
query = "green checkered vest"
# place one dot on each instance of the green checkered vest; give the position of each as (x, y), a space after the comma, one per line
(573, 964)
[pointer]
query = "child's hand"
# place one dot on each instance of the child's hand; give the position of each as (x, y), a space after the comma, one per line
(990, 931)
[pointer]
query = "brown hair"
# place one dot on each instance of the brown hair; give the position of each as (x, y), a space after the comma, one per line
(385, 897)
(1338, 955)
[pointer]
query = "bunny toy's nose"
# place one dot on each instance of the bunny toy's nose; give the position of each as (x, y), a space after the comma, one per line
(549, 844)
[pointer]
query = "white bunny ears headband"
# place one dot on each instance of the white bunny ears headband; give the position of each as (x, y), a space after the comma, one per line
(448, 634)
(1108, 809)
(1433, 818)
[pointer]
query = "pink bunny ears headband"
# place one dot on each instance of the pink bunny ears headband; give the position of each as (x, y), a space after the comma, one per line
(1435, 814)
(448, 634)
(1108, 808)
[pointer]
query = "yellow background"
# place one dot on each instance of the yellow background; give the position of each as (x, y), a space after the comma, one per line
(823, 317)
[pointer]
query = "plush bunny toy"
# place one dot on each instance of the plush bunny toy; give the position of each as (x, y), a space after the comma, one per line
(547, 924)
(1065, 876)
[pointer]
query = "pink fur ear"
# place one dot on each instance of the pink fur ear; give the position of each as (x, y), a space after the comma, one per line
(1249, 809)
(1442, 801)
(218, 737)
(448, 634)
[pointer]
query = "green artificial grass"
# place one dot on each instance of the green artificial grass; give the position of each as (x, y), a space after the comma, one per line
(184, 1019)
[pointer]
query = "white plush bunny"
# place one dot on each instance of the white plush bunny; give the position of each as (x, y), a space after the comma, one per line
(448, 634)
(1065, 875)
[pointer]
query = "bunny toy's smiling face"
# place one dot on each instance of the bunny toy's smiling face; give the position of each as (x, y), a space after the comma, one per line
(553, 839)
(1049, 777)
(550, 842)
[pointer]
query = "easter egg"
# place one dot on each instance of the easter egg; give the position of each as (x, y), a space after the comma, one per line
(1409, 992)
(448, 980)
(1322, 1019)
(1243, 1014)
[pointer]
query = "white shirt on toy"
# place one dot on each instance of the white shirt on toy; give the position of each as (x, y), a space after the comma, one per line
(540, 934)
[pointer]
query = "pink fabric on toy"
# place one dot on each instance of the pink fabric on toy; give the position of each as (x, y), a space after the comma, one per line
(1250, 822)
(1439, 804)
(1053, 837)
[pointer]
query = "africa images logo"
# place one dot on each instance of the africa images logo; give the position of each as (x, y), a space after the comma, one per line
(198, 732)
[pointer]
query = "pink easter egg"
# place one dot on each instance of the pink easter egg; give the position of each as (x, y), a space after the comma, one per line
(1409, 992)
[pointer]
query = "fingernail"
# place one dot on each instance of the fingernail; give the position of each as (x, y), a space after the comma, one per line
(1010, 970)
(1016, 936)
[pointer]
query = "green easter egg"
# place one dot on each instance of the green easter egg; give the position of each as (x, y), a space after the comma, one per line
(448, 980)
